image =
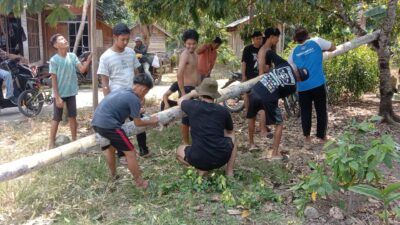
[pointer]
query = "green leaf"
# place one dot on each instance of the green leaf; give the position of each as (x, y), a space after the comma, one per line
(59, 13)
(375, 118)
(367, 190)
(370, 176)
(353, 165)
(391, 187)
(393, 197)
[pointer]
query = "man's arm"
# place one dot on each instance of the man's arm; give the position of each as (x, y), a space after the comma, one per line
(192, 94)
(243, 69)
(105, 82)
(83, 67)
(13, 56)
(142, 50)
(59, 102)
(165, 98)
(141, 123)
(203, 48)
(325, 44)
(181, 68)
(261, 61)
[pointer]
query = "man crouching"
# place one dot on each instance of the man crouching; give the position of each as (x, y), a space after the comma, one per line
(211, 128)
(109, 116)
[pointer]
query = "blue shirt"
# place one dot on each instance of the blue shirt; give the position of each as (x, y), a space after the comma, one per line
(65, 70)
(309, 56)
(115, 108)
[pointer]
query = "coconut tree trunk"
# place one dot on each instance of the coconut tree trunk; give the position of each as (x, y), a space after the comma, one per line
(28, 164)
(81, 26)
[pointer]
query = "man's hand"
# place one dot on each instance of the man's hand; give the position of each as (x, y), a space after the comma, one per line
(141, 183)
(154, 119)
(23, 60)
(194, 93)
(59, 102)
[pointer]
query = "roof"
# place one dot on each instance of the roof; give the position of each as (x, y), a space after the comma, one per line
(157, 26)
(238, 22)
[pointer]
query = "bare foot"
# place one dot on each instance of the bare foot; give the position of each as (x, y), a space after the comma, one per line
(141, 183)
(229, 173)
(202, 173)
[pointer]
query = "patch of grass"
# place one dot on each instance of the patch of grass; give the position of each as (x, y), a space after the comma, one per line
(79, 191)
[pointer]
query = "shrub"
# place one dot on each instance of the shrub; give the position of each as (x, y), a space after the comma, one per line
(352, 74)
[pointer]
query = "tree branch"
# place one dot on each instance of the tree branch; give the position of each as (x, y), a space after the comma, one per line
(346, 18)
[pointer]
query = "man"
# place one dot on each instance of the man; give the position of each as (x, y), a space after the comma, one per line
(6, 75)
(141, 49)
(65, 84)
(117, 68)
(213, 141)
(249, 71)
(278, 83)
(308, 54)
(188, 76)
(109, 116)
(207, 55)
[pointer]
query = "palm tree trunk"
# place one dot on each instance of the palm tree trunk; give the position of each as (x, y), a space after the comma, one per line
(81, 26)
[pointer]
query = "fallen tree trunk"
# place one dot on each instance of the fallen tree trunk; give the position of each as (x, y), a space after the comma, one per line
(28, 164)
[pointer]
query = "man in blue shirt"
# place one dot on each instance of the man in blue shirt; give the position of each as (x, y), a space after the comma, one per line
(308, 55)
(109, 116)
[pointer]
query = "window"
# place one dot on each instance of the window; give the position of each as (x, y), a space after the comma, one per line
(33, 37)
(73, 27)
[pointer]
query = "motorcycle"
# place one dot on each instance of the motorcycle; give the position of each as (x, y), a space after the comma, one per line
(22, 80)
(235, 104)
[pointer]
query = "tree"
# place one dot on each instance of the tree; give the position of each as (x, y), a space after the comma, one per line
(85, 7)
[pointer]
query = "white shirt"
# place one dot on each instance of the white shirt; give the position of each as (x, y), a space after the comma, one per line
(119, 67)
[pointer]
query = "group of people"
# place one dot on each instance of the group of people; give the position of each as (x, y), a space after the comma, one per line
(210, 125)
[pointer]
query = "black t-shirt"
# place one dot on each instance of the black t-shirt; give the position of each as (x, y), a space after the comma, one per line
(249, 57)
(274, 60)
(207, 124)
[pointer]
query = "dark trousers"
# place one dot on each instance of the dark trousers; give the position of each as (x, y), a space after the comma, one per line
(306, 98)
(141, 140)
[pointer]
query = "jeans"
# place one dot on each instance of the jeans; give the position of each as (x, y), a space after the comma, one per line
(6, 76)
(306, 98)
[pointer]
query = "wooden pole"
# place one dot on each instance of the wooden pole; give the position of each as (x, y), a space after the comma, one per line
(93, 47)
(28, 164)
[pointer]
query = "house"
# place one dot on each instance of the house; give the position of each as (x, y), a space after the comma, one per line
(236, 41)
(29, 35)
(158, 37)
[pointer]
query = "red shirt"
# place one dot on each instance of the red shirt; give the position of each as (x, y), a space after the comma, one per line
(206, 59)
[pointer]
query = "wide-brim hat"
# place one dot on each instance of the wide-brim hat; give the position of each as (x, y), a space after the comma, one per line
(208, 87)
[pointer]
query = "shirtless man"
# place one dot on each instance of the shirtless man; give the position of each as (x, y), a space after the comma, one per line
(188, 76)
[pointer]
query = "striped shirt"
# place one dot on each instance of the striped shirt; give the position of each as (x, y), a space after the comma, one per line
(119, 67)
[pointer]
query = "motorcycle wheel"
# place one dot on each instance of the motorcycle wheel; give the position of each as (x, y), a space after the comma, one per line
(30, 103)
(234, 105)
(291, 105)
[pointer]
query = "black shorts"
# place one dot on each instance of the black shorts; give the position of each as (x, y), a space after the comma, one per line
(207, 162)
(71, 107)
(270, 102)
(117, 137)
(185, 119)
(255, 105)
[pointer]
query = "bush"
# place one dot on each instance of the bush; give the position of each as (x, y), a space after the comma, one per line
(352, 74)
(226, 56)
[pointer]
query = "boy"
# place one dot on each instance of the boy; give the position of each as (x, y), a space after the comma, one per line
(213, 140)
(188, 76)
(117, 68)
(109, 116)
(65, 84)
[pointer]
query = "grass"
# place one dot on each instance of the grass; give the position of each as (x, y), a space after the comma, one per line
(79, 191)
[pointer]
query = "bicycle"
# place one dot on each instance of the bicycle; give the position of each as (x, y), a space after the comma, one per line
(291, 104)
(30, 102)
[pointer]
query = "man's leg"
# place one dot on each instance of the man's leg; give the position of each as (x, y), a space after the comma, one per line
(142, 139)
(110, 159)
(320, 104)
(73, 125)
(185, 134)
(251, 128)
(305, 102)
(6, 76)
(263, 122)
(53, 133)
(277, 140)
(180, 154)
(231, 162)
(134, 168)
